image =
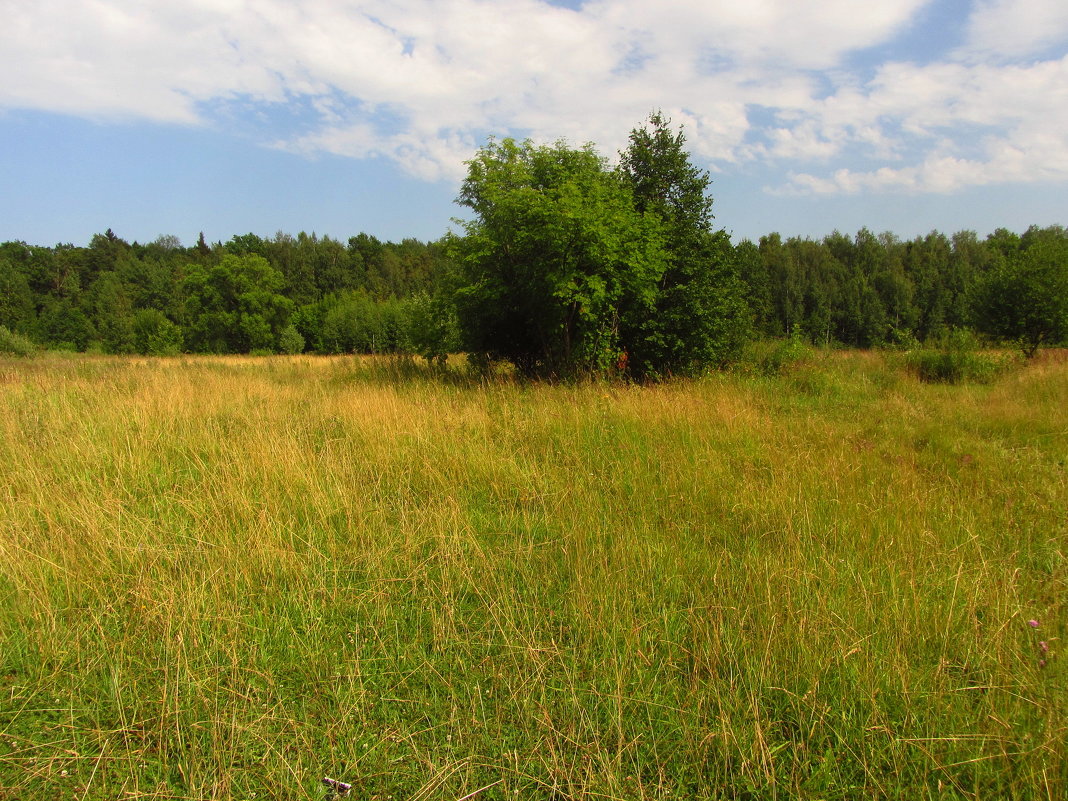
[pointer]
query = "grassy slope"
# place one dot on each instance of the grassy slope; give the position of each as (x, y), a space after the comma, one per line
(226, 578)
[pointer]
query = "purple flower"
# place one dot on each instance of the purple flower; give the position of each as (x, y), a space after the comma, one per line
(1033, 624)
(1043, 647)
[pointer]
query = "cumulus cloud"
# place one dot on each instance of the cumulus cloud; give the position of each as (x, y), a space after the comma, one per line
(422, 82)
(1017, 28)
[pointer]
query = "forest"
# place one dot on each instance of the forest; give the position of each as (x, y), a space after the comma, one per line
(317, 294)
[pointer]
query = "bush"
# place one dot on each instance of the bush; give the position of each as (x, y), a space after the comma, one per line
(15, 344)
(290, 340)
(352, 323)
(772, 357)
(432, 327)
(155, 335)
(954, 358)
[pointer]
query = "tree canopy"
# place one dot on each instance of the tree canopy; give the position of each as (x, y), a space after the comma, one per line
(1025, 298)
(699, 318)
(569, 266)
(556, 253)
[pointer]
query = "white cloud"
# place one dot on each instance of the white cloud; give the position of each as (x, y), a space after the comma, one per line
(421, 82)
(1027, 157)
(971, 125)
(1016, 28)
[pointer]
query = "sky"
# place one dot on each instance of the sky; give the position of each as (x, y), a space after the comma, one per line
(346, 116)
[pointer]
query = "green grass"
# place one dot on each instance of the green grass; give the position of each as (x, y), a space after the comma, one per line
(228, 577)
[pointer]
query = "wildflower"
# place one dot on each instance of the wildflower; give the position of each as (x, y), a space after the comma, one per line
(1041, 663)
(336, 787)
(1033, 624)
(1043, 647)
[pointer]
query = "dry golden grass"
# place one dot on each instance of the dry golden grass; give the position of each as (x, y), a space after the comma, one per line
(225, 577)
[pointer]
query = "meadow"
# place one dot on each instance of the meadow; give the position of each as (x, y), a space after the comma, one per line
(228, 577)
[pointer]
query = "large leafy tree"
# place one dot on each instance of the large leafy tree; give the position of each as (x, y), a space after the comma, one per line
(555, 256)
(1025, 299)
(700, 317)
(235, 306)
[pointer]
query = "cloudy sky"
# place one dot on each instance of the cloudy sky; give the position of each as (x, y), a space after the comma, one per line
(341, 116)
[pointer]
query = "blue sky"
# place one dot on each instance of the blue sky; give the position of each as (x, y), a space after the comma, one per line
(342, 116)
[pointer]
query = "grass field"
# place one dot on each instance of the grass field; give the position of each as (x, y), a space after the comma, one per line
(229, 577)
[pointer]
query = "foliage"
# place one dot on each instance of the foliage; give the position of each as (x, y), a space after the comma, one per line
(13, 343)
(155, 335)
(64, 325)
(82, 298)
(17, 311)
(1025, 298)
(553, 260)
(773, 357)
(236, 305)
(865, 290)
(356, 323)
(112, 311)
(290, 340)
(699, 317)
(952, 359)
(433, 330)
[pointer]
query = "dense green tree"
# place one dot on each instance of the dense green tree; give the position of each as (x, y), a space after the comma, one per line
(291, 340)
(433, 330)
(111, 312)
(786, 286)
(896, 290)
(927, 264)
(246, 245)
(297, 260)
(757, 282)
(1025, 299)
(1003, 242)
(152, 280)
(555, 255)
(332, 268)
(235, 306)
(700, 317)
(353, 323)
(103, 255)
(369, 295)
(62, 324)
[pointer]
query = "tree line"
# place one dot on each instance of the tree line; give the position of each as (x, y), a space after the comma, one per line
(870, 290)
(250, 294)
(567, 265)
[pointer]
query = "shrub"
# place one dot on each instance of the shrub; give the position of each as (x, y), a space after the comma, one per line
(954, 358)
(772, 357)
(290, 340)
(13, 343)
(155, 335)
(432, 327)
